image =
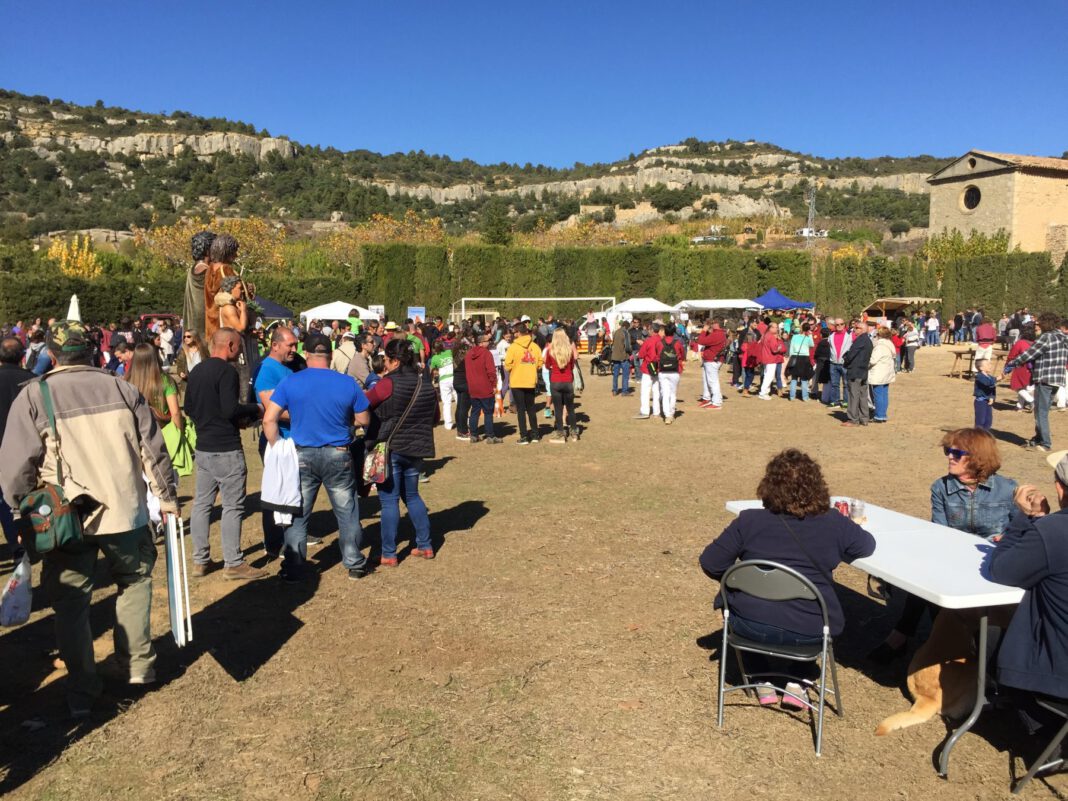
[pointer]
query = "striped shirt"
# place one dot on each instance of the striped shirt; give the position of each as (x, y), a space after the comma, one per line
(1049, 355)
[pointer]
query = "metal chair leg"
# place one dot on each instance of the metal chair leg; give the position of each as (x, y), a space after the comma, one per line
(722, 674)
(838, 708)
(1041, 761)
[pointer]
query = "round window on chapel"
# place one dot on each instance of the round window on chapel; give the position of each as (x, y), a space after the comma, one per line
(971, 197)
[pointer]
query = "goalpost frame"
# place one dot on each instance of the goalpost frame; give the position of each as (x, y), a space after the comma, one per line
(606, 301)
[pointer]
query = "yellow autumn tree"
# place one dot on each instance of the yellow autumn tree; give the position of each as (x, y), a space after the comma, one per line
(261, 241)
(75, 257)
(343, 246)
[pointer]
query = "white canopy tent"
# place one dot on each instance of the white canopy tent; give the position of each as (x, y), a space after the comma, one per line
(627, 309)
(639, 306)
(338, 310)
(716, 304)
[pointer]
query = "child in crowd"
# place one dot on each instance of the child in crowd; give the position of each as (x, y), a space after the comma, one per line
(986, 386)
(378, 367)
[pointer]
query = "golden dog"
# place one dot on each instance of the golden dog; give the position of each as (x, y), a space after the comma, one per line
(943, 671)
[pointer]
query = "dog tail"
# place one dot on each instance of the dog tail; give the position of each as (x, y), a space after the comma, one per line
(924, 709)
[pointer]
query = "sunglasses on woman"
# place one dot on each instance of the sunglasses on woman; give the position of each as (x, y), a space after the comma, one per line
(956, 454)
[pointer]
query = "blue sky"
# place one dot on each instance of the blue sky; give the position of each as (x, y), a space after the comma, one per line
(557, 83)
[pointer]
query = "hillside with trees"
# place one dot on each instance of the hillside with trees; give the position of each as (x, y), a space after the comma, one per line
(70, 167)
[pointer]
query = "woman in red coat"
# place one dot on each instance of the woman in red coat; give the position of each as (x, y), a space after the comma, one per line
(1021, 383)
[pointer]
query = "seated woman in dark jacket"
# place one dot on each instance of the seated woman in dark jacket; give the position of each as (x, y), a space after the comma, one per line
(404, 405)
(797, 528)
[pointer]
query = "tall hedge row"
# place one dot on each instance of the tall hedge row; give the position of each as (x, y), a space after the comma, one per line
(401, 275)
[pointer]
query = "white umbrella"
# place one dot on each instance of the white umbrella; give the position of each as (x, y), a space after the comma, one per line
(74, 312)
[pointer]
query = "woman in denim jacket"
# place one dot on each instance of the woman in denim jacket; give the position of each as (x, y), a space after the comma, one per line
(971, 497)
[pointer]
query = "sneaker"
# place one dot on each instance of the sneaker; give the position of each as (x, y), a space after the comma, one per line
(714, 406)
(388, 561)
(494, 440)
(669, 420)
(535, 439)
(243, 572)
(764, 397)
(703, 402)
(557, 437)
(423, 553)
(289, 578)
(474, 439)
(423, 478)
(641, 417)
(315, 540)
(794, 689)
(272, 555)
(463, 437)
(766, 695)
(1041, 448)
(142, 680)
(356, 573)
(522, 441)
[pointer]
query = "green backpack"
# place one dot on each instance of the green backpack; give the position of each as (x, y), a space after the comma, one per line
(56, 524)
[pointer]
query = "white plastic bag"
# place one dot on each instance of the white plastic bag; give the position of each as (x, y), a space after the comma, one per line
(17, 599)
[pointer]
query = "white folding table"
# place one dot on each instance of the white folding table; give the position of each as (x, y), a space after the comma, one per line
(936, 563)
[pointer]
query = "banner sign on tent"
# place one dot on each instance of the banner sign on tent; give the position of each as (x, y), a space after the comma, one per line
(378, 310)
(417, 313)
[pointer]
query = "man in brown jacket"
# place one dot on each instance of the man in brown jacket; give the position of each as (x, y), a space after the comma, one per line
(107, 439)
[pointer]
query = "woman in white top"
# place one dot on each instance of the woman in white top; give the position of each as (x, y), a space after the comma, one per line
(881, 373)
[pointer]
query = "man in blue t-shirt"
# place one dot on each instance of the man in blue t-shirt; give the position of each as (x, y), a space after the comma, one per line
(280, 363)
(322, 406)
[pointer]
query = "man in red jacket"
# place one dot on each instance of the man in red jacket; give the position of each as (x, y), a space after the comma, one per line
(772, 349)
(713, 343)
(481, 386)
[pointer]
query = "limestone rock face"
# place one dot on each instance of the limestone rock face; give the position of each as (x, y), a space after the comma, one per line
(166, 145)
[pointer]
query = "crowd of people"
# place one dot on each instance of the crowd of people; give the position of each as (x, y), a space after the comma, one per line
(113, 415)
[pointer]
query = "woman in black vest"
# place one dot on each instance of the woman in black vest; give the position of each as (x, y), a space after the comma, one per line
(404, 406)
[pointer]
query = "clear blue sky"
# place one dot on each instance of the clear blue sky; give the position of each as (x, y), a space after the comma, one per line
(559, 82)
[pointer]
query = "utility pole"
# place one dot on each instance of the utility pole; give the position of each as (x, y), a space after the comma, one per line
(810, 226)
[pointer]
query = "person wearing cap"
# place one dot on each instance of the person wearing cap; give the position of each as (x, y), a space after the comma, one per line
(212, 402)
(345, 350)
(323, 406)
(1033, 555)
(391, 330)
(107, 444)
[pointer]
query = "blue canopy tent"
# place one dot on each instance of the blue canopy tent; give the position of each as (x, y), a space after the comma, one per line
(774, 300)
(272, 311)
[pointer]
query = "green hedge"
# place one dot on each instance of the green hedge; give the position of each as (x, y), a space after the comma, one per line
(402, 275)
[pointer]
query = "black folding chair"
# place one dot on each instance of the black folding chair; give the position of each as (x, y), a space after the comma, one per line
(1060, 709)
(774, 582)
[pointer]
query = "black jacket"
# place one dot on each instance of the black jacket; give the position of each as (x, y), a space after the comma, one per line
(1033, 555)
(415, 437)
(856, 359)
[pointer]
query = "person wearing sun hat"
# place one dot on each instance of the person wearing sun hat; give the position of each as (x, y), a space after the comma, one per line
(107, 440)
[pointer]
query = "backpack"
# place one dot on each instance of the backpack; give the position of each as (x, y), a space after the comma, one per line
(669, 359)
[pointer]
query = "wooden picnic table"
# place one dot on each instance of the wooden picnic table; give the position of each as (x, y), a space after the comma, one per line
(959, 370)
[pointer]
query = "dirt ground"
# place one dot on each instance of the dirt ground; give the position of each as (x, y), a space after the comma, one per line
(558, 648)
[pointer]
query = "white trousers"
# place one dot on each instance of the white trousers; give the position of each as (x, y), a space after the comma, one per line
(448, 397)
(669, 388)
(769, 379)
(710, 388)
(650, 388)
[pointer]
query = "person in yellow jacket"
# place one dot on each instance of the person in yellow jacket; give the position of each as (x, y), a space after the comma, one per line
(522, 360)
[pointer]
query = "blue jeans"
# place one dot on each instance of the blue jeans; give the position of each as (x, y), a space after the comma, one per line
(484, 405)
(1043, 400)
(771, 635)
(403, 484)
(932, 339)
(329, 467)
(984, 414)
(750, 373)
(620, 369)
(838, 375)
(881, 394)
(793, 388)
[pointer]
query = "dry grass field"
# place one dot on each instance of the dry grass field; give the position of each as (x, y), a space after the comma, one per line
(558, 648)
